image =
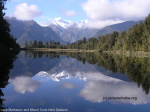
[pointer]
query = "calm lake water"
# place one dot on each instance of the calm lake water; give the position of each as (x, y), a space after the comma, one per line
(77, 82)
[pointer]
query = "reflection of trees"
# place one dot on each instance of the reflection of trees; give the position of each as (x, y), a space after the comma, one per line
(7, 58)
(137, 69)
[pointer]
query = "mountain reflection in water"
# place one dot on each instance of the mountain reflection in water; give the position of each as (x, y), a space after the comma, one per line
(71, 80)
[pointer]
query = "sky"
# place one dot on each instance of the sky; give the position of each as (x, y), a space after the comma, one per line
(98, 12)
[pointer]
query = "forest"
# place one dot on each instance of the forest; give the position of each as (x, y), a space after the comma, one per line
(137, 69)
(137, 38)
(7, 41)
(8, 52)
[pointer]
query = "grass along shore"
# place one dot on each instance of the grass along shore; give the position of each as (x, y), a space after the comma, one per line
(130, 53)
(58, 50)
(125, 53)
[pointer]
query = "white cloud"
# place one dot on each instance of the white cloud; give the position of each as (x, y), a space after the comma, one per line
(99, 86)
(26, 12)
(98, 23)
(67, 85)
(45, 18)
(70, 13)
(23, 84)
(116, 9)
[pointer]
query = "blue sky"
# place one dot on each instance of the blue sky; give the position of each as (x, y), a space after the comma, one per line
(52, 9)
(98, 12)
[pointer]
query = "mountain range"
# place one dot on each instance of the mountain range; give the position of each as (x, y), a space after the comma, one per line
(30, 31)
(59, 30)
(56, 68)
(116, 27)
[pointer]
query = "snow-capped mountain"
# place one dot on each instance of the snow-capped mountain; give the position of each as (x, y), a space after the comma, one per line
(59, 76)
(85, 21)
(58, 22)
(59, 30)
(63, 23)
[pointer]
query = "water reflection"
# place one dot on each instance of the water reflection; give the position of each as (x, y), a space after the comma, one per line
(7, 57)
(67, 85)
(78, 81)
(137, 69)
(62, 75)
(97, 86)
(25, 84)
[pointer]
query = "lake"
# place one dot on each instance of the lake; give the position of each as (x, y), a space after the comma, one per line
(75, 82)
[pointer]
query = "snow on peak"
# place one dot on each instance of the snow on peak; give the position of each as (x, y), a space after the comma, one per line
(55, 77)
(57, 19)
(84, 21)
(59, 76)
(62, 23)
(45, 23)
(58, 22)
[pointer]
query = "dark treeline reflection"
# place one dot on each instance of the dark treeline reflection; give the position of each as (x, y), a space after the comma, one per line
(137, 69)
(7, 57)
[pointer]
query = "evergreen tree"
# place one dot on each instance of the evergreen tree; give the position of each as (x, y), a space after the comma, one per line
(35, 44)
(40, 44)
(26, 44)
(47, 45)
(6, 40)
(31, 45)
(84, 40)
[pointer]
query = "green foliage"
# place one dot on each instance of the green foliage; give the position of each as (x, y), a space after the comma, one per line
(6, 39)
(34, 44)
(7, 52)
(137, 69)
(137, 38)
(39, 44)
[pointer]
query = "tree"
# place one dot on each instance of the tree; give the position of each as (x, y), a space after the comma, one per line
(52, 42)
(47, 44)
(35, 44)
(58, 43)
(30, 44)
(84, 40)
(6, 40)
(147, 22)
(26, 44)
(40, 44)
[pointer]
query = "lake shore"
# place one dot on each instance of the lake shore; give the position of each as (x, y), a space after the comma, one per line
(130, 53)
(57, 50)
(125, 53)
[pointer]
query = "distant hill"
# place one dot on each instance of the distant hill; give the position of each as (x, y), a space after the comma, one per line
(70, 32)
(59, 30)
(116, 27)
(30, 31)
(73, 34)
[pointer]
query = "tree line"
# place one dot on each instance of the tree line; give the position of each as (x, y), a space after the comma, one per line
(137, 38)
(40, 44)
(7, 52)
(137, 69)
(6, 39)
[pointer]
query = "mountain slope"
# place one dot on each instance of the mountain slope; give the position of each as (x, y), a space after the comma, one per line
(58, 22)
(74, 33)
(71, 31)
(59, 30)
(116, 27)
(30, 31)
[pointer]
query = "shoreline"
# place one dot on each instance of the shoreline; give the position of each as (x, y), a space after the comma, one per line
(125, 53)
(129, 53)
(57, 50)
